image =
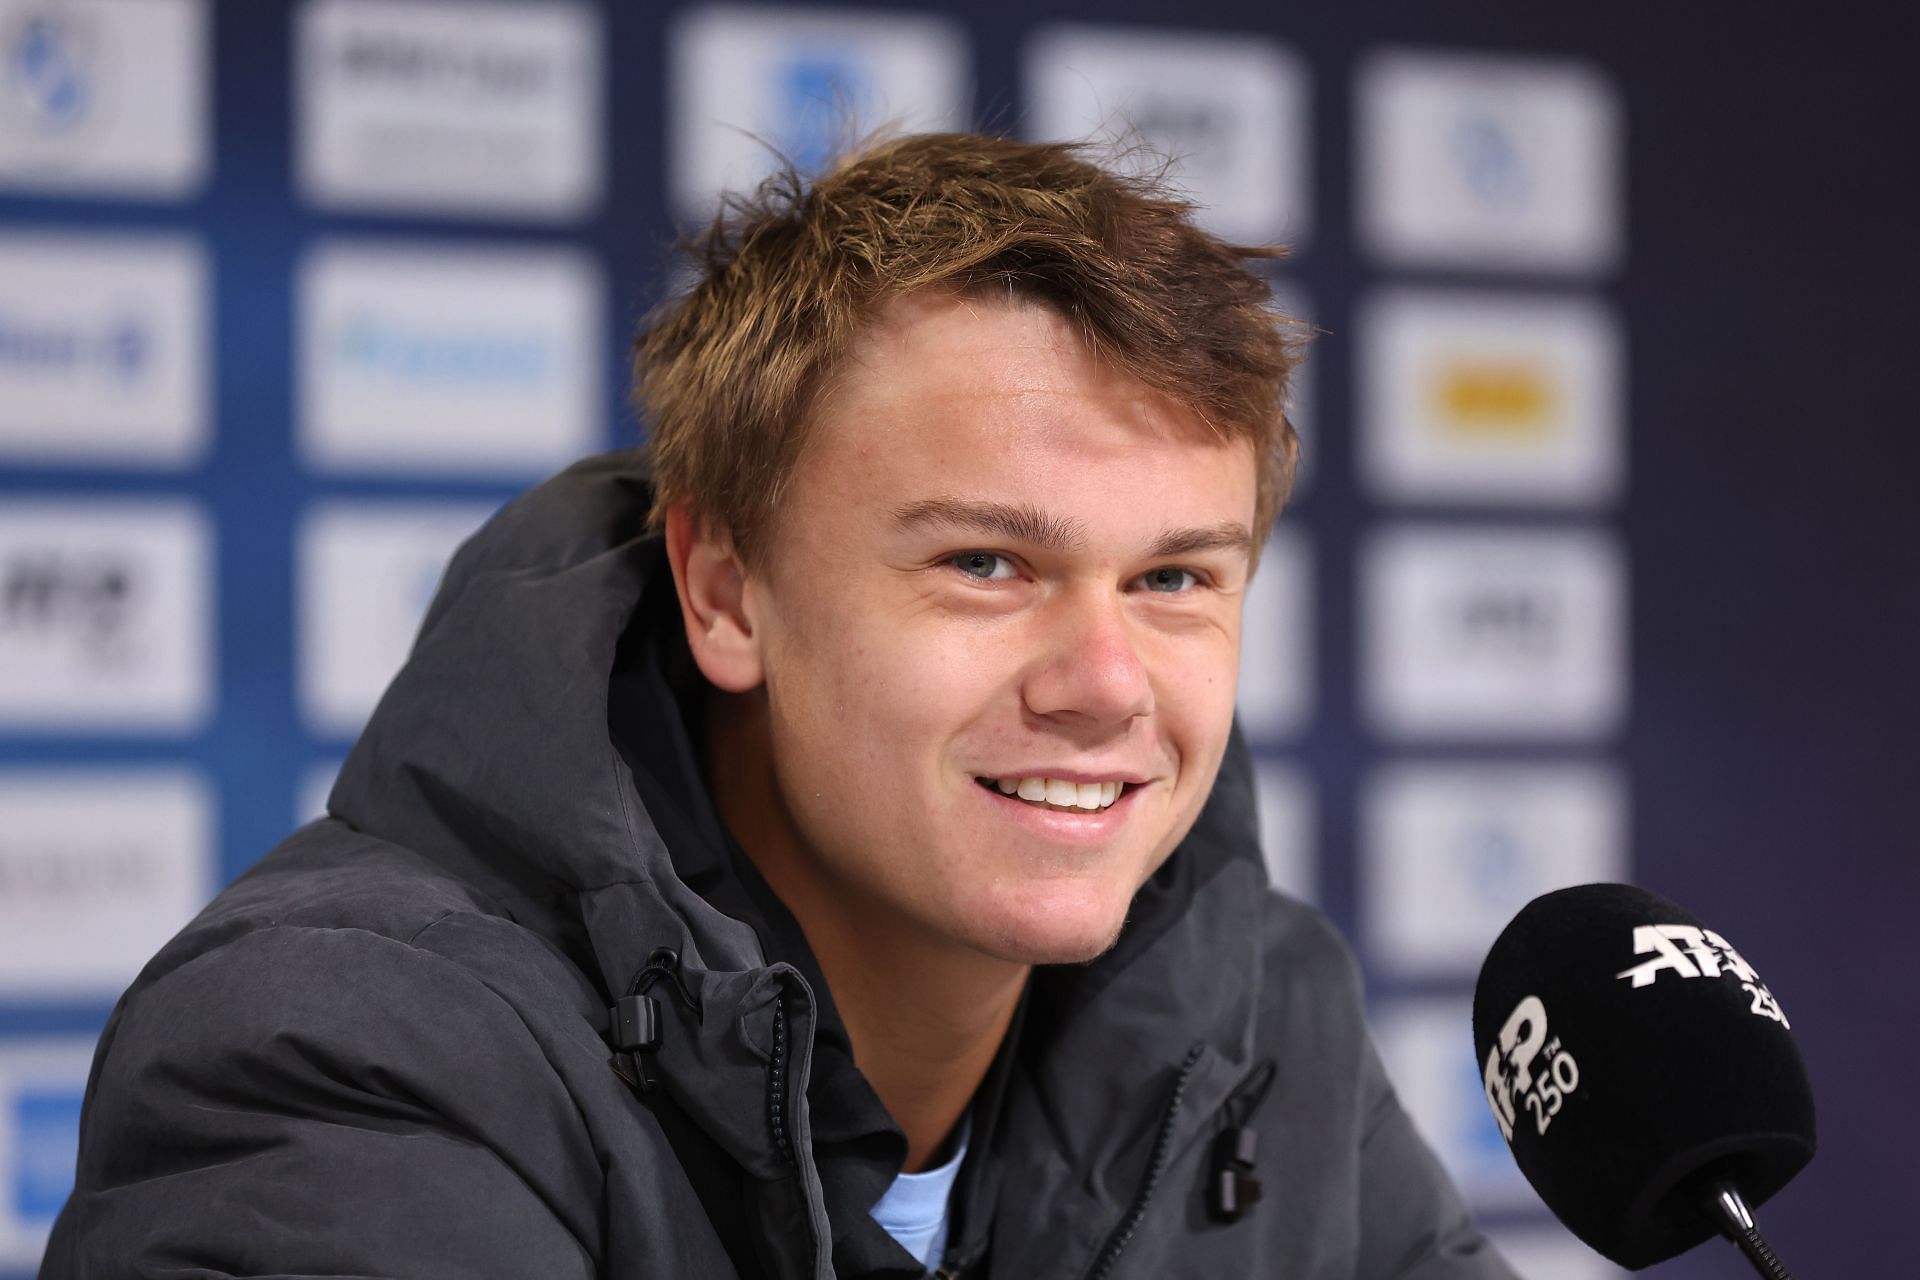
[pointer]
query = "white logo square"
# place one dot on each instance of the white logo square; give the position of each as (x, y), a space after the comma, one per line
(805, 82)
(104, 97)
(1275, 692)
(1481, 633)
(1449, 853)
(451, 361)
(105, 616)
(1288, 829)
(1229, 109)
(1427, 1047)
(42, 1082)
(367, 572)
(453, 108)
(1490, 399)
(1488, 162)
(103, 350)
(98, 868)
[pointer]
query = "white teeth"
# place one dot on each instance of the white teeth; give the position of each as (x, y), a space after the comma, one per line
(1058, 792)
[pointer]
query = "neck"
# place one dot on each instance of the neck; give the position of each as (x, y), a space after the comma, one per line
(925, 1016)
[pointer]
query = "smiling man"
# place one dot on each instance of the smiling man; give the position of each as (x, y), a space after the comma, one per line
(816, 845)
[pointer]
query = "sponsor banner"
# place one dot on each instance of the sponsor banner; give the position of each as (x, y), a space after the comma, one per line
(316, 784)
(366, 573)
(1549, 1249)
(1288, 838)
(450, 107)
(1488, 162)
(1478, 634)
(104, 97)
(1275, 693)
(103, 350)
(747, 83)
(1490, 399)
(42, 1081)
(105, 616)
(480, 362)
(98, 868)
(1450, 853)
(1230, 111)
(1427, 1046)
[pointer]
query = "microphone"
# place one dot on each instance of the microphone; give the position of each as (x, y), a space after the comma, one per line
(1645, 1079)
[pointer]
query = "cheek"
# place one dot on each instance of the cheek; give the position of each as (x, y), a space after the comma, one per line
(855, 688)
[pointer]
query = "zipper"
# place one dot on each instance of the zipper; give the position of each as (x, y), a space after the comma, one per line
(1123, 1234)
(777, 1101)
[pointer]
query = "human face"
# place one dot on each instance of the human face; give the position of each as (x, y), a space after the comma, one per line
(999, 560)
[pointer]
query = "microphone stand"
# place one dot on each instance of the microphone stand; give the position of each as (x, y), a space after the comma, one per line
(1730, 1213)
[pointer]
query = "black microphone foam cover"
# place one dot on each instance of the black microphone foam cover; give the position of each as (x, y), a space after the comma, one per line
(1629, 1055)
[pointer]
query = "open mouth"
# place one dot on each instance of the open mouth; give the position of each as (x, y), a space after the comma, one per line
(1057, 793)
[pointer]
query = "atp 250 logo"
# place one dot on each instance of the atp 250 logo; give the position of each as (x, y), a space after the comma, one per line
(1528, 1071)
(1694, 952)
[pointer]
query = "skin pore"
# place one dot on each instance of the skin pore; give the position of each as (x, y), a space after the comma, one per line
(999, 560)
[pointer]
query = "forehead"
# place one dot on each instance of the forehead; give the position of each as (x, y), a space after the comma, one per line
(1001, 394)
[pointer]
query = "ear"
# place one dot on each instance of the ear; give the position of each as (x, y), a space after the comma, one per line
(711, 581)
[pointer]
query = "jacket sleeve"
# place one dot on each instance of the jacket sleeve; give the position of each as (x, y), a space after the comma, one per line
(325, 1102)
(1413, 1225)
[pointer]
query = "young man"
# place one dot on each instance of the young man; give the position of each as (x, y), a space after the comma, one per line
(817, 846)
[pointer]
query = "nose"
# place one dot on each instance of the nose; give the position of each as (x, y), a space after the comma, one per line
(1089, 669)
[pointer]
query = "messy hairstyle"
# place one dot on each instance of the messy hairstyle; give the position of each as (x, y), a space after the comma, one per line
(785, 278)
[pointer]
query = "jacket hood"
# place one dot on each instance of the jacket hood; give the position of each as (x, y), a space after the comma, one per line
(494, 752)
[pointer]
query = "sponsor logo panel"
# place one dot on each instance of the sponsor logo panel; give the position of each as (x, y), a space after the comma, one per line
(1549, 1249)
(316, 784)
(1427, 1046)
(42, 1080)
(490, 109)
(1478, 634)
(747, 83)
(103, 350)
(105, 616)
(1229, 110)
(1287, 829)
(1450, 853)
(1488, 162)
(103, 96)
(1275, 692)
(366, 574)
(1484, 398)
(98, 868)
(452, 361)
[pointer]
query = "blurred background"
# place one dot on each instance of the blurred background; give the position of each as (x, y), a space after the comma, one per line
(1602, 566)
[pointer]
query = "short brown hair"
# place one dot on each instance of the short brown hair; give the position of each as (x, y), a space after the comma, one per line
(725, 373)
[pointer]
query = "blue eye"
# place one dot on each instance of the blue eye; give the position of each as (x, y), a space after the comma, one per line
(1168, 580)
(983, 565)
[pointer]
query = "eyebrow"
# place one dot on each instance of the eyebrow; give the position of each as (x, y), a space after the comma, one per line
(1228, 535)
(1022, 522)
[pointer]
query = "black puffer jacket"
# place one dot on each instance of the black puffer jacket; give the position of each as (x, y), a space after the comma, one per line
(384, 1051)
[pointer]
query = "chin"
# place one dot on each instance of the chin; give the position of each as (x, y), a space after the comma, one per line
(1052, 928)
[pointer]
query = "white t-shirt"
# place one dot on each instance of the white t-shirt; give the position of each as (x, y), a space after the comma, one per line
(914, 1209)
